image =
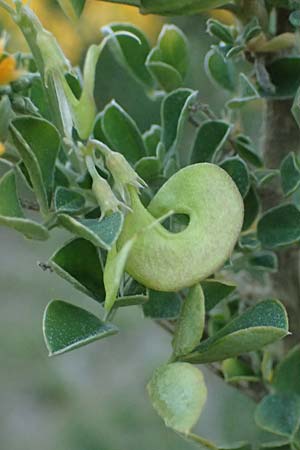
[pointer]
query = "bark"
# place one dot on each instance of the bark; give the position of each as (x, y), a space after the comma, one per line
(281, 136)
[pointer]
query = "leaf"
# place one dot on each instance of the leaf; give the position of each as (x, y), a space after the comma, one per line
(162, 305)
(171, 110)
(151, 139)
(264, 261)
(102, 233)
(38, 144)
(249, 242)
(210, 139)
(264, 176)
(122, 132)
(130, 53)
(287, 374)
(166, 76)
(11, 213)
(285, 76)
(6, 115)
(238, 171)
(68, 201)
(245, 148)
(236, 371)
(178, 7)
(72, 8)
(290, 174)
(173, 47)
(221, 71)
(280, 414)
(67, 327)
(190, 325)
(248, 93)
(148, 168)
(215, 291)
(168, 61)
(178, 394)
(264, 323)
(252, 208)
(79, 263)
(113, 272)
(279, 227)
(131, 300)
(220, 31)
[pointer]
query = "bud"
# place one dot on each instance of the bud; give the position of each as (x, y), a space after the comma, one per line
(122, 172)
(105, 197)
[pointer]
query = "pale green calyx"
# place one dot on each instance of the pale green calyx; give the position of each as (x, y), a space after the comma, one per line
(167, 261)
(123, 174)
(105, 197)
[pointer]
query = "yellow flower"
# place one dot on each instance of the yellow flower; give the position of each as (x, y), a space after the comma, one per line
(2, 149)
(8, 70)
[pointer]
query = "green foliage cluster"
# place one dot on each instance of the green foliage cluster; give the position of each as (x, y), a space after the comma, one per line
(169, 219)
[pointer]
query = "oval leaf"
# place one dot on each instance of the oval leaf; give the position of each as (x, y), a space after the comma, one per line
(67, 327)
(190, 325)
(257, 327)
(178, 394)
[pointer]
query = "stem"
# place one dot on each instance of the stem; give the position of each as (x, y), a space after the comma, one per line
(281, 136)
(199, 440)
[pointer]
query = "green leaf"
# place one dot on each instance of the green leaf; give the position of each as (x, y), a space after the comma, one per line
(178, 394)
(215, 291)
(264, 261)
(245, 148)
(236, 371)
(130, 53)
(6, 115)
(220, 31)
(178, 7)
(279, 227)
(287, 374)
(113, 272)
(151, 139)
(264, 176)
(67, 327)
(79, 263)
(11, 213)
(285, 76)
(238, 171)
(130, 300)
(190, 325)
(248, 93)
(38, 144)
(290, 174)
(148, 168)
(162, 305)
(72, 8)
(171, 111)
(249, 242)
(168, 61)
(68, 201)
(210, 139)
(122, 132)
(166, 76)
(257, 327)
(280, 414)
(252, 208)
(102, 233)
(220, 70)
(173, 47)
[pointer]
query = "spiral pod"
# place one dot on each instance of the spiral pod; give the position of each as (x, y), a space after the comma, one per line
(167, 261)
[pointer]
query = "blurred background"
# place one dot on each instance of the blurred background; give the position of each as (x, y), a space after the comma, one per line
(94, 398)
